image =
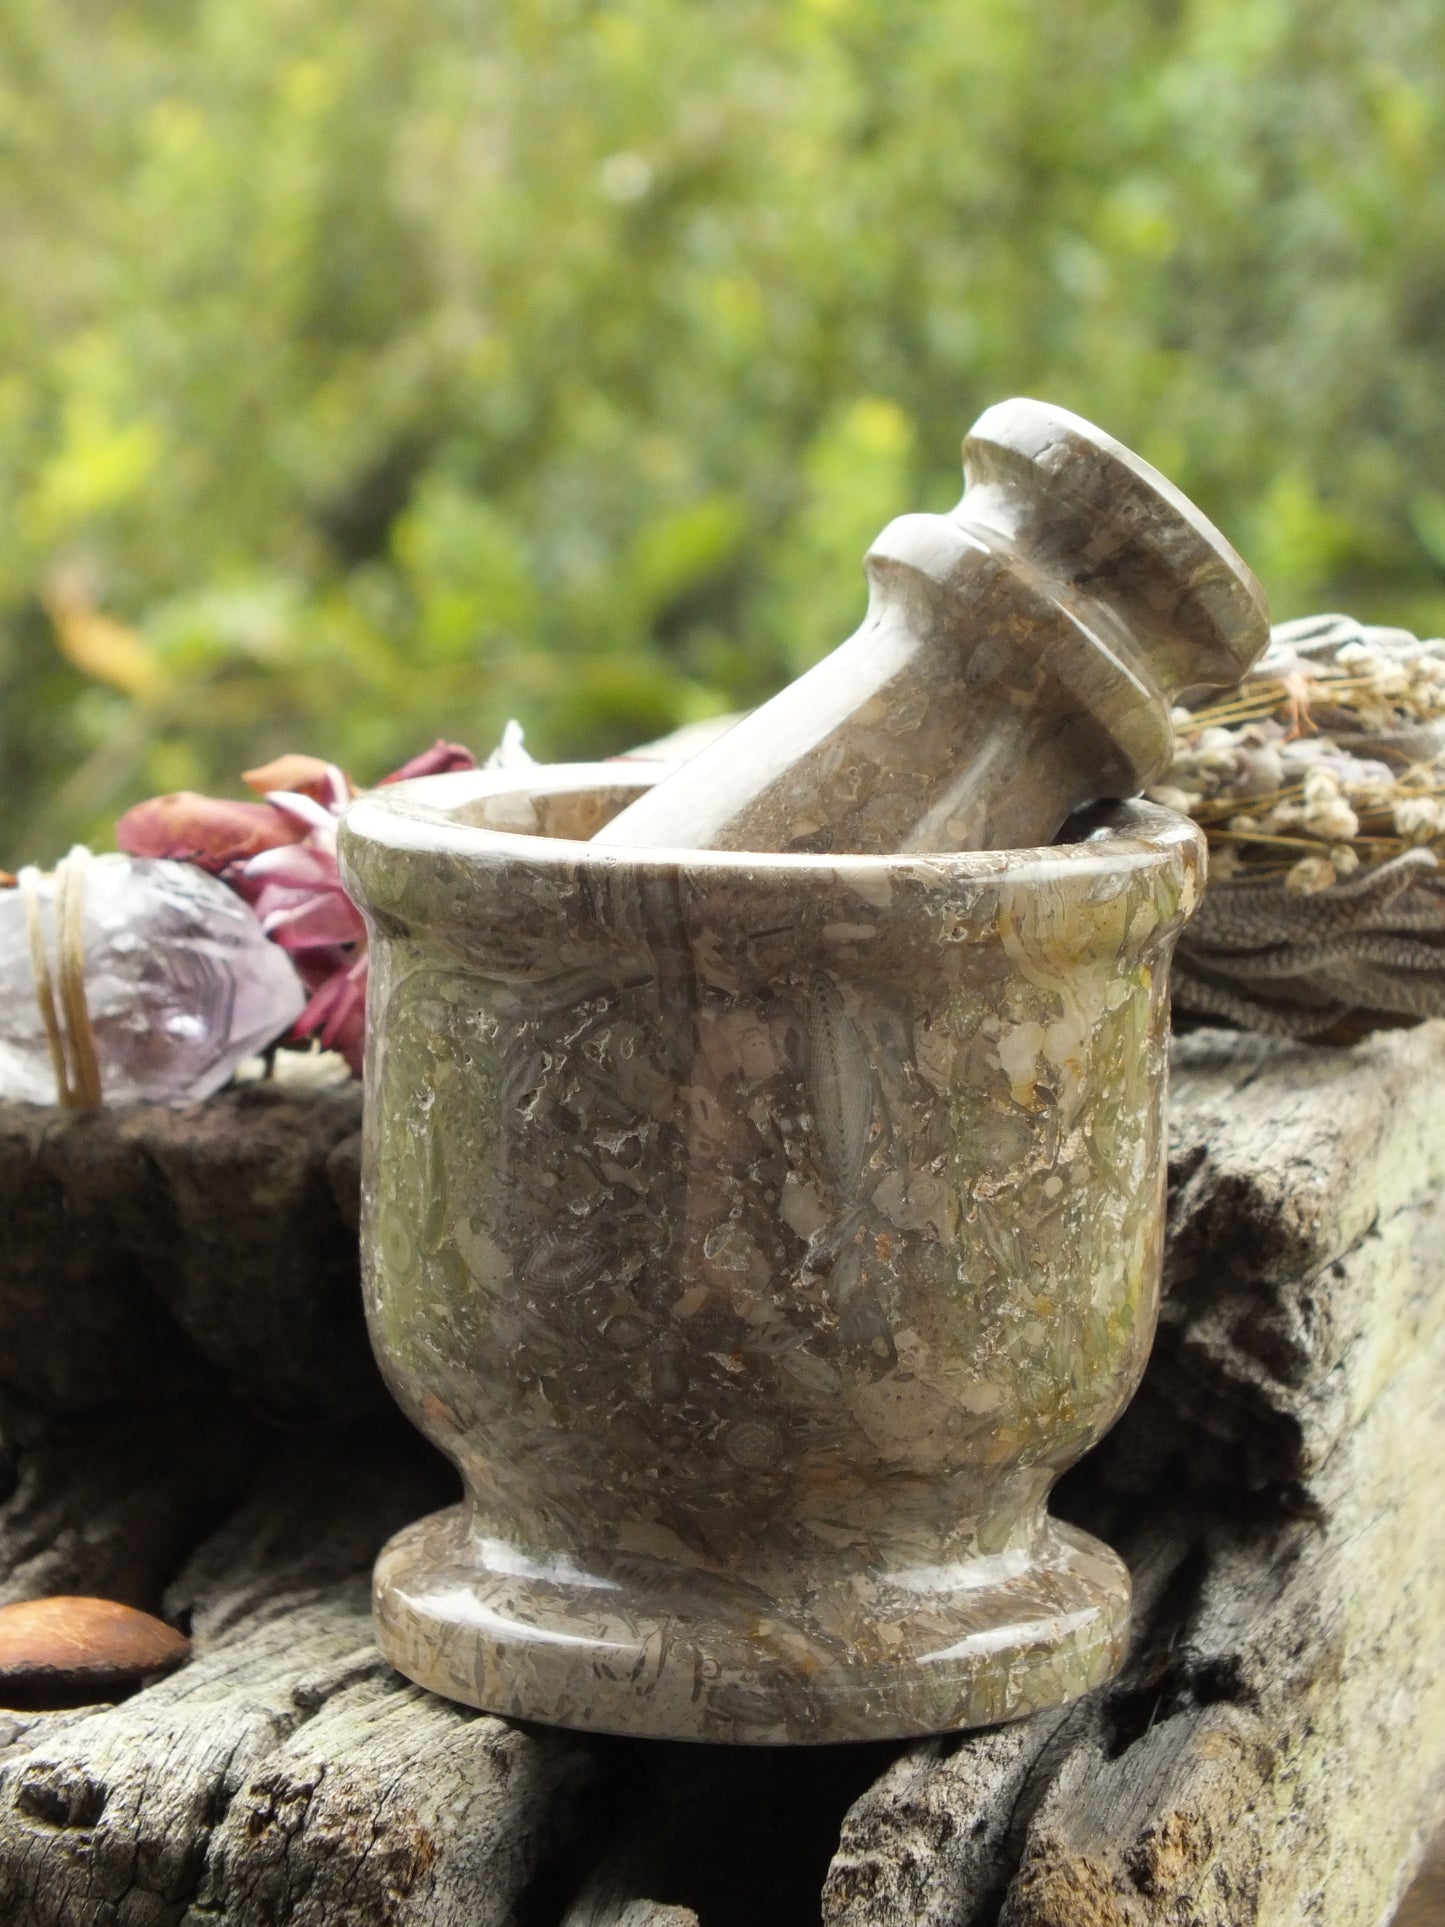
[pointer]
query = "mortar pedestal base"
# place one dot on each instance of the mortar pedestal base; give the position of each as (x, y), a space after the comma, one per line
(668, 1652)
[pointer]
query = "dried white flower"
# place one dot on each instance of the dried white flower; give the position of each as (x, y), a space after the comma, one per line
(1224, 860)
(1216, 739)
(1170, 798)
(1260, 769)
(309, 1070)
(1393, 681)
(510, 752)
(1418, 817)
(1284, 816)
(1215, 753)
(312, 1069)
(1331, 817)
(1310, 874)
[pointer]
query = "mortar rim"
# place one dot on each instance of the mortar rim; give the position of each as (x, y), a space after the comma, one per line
(403, 818)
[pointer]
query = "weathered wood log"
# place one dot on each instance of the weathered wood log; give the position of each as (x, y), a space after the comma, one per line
(1273, 1753)
(1299, 1263)
(287, 1773)
(1292, 1766)
(190, 1253)
(111, 1503)
(1275, 1749)
(937, 1838)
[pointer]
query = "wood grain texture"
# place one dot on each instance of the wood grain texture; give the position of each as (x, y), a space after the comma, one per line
(1303, 1249)
(1273, 1754)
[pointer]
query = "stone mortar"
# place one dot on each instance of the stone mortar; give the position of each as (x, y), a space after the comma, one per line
(761, 1236)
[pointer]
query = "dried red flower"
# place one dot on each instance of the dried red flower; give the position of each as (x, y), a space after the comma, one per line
(280, 855)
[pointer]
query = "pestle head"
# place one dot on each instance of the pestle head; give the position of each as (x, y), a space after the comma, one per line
(1106, 527)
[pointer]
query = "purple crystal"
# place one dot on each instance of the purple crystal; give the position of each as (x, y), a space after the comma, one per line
(180, 982)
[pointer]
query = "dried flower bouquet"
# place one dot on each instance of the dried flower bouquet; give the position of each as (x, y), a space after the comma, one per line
(1320, 784)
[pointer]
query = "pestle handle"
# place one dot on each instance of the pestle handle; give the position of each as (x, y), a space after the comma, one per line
(1018, 660)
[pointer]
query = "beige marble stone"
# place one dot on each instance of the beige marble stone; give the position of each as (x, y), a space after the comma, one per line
(1018, 660)
(761, 1236)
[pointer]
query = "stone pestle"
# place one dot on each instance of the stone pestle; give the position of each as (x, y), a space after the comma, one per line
(1018, 660)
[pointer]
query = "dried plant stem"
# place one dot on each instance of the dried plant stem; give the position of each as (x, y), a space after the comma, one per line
(1219, 834)
(1261, 699)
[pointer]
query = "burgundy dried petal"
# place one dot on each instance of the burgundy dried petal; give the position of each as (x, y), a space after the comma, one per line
(304, 810)
(338, 1012)
(296, 867)
(317, 967)
(349, 1036)
(271, 897)
(322, 919)
(436, 761)
(210, 831)
(280, 856)
(318, 1011)
(76, 1652)
(235, 877)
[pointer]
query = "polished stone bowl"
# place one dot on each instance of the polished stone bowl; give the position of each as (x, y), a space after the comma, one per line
(761, 1236)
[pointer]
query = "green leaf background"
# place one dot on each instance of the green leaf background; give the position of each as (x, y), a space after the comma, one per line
(389, 367)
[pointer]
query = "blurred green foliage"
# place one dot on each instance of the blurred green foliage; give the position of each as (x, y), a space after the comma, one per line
(377, 369)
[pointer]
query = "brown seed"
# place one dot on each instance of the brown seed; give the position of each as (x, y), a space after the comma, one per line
(78, 1652)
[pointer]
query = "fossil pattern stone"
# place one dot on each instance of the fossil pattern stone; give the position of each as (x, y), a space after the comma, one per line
(761, 1236)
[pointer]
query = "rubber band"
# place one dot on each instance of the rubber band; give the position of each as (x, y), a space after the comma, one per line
(69, 1032)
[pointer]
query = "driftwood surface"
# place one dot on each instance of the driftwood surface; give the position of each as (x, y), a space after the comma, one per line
(191, 1423)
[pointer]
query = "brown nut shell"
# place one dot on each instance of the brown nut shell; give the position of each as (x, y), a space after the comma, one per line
(69, 1651)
